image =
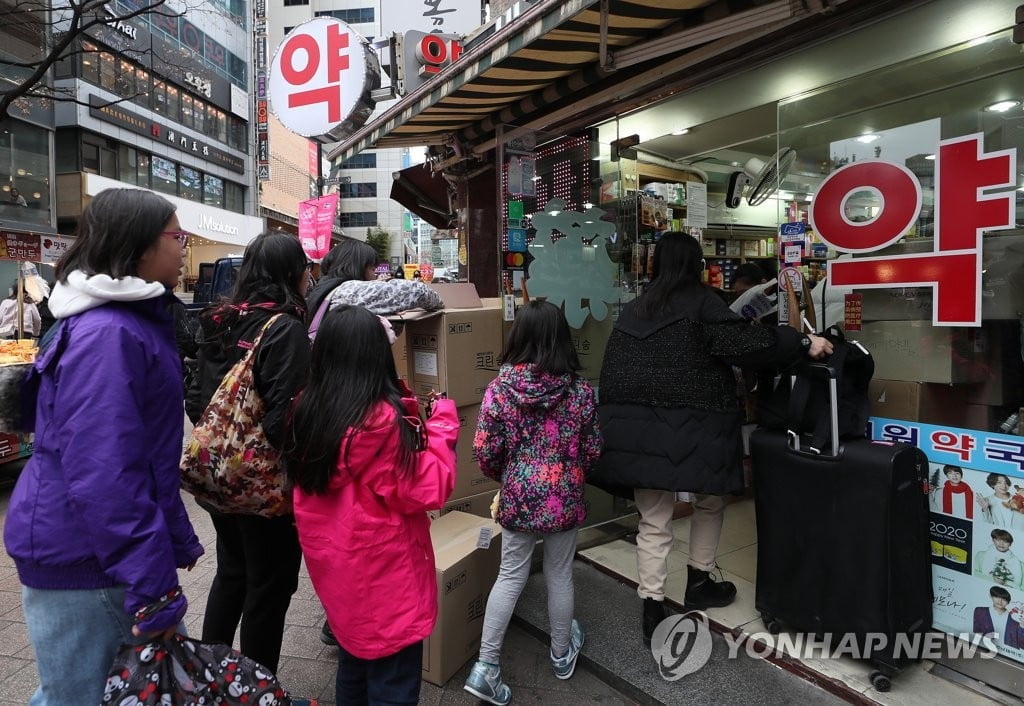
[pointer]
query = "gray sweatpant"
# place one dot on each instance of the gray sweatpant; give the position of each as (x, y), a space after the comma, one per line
(516, 551)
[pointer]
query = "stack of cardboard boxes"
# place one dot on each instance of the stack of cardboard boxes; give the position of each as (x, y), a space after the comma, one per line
(456, 352)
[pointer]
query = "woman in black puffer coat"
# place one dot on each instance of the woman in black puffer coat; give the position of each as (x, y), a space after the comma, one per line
(670, 417)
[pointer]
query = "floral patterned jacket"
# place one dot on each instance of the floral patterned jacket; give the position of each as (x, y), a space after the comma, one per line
(538, 435)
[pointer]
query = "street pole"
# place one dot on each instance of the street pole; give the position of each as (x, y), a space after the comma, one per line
(319, 169)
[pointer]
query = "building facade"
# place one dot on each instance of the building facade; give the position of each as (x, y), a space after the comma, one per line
(161, 104)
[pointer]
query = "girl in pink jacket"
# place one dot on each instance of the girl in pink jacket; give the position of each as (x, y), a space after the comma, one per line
(366, 470)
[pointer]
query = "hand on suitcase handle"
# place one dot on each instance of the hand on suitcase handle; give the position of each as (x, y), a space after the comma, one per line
(819, 348)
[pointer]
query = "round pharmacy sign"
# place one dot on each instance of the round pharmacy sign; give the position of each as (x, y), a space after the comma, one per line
(321, 80)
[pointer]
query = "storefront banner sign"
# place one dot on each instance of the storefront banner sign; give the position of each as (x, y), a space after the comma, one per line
(976, 495)
(316, 216)
(963, 171)
(696, 204)
(54, 247)
(321, 78)
(313, 158)
(19, 246)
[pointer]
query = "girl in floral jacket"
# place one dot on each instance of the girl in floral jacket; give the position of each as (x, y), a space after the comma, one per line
(537, 434)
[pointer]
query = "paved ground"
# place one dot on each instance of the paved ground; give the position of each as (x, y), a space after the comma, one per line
(307, 666)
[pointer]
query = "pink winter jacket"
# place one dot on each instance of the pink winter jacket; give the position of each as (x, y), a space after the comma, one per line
(367, 539)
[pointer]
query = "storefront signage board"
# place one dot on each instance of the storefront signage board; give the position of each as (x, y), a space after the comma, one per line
(977, 537)
(321, 78)
(54, 247)
(963, 173)
(19, 246)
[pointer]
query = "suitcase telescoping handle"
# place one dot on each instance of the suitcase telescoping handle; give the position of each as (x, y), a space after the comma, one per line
(806, 371)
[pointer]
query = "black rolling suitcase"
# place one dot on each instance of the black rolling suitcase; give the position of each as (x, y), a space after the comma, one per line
(843, 543)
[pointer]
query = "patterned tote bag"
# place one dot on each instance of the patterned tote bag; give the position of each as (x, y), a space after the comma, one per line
(228, 464)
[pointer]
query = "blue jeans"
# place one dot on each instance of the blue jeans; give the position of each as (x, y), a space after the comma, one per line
(75, 634)
(394, 679)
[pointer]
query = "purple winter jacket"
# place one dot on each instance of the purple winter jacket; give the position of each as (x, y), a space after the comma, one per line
(98, 504)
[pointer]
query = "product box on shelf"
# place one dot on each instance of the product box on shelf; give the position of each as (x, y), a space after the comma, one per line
(467, 554)
(918, 351)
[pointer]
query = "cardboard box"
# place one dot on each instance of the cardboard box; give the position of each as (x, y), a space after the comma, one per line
(469, 481)
(400, 352)
(930, 403)
(477, 505)
(916, 351)
(467, 554)
(455, 352)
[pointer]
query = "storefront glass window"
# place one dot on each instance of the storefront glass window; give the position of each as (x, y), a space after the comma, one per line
(190, 185)
(24, 173)
(142, 89)
(144, 174)
(165, 175)
(199, 116)
(159, 99)
(213, 191)
(126, 87)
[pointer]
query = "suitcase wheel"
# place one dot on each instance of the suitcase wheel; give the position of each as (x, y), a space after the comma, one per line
(880, 681)
(771, 624)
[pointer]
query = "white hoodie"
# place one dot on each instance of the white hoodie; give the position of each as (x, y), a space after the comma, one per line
(82, 292)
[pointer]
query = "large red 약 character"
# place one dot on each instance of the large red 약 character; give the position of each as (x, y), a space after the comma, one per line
(963, 170)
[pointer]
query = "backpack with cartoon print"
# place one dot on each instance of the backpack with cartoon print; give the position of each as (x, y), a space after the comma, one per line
(185, 672)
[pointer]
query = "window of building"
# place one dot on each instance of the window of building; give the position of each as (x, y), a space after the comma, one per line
(213, 191)
(165, 175)
(355, 15)
(145, 177)
(366, 160)
(289, 29)
(173, 103)
(234, 197)
(237, 134)
(159, 97)
(25, 151)
(142, 89)
(217, 124)
(90, 63)
(290, 3)
(126, 80)
(128, 165)
(190, 183)
(187, 115)
(108, 71)
(359, 190)
(357, 219)
(199, 116)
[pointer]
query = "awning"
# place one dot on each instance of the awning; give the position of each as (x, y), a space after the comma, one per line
(425, 194)
(553, 52)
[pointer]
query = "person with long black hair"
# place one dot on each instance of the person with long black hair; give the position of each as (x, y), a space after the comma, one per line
(257, 557)
(670, 417)
(96, 526)
(365, 470)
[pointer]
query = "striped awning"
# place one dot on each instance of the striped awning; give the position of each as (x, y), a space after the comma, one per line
(555, 45)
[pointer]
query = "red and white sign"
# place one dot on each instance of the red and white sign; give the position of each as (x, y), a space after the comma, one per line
(54, 247)
(963, 171)
(316, 216)
(321, 78)
(435, 51)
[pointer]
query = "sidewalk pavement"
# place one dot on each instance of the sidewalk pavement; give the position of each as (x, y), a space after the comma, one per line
(307, 666)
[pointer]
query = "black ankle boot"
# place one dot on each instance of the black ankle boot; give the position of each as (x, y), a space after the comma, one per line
(702, 591)
(654, 613)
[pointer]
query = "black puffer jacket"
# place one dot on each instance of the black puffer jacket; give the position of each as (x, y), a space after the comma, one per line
(668, 408)
(282, 363)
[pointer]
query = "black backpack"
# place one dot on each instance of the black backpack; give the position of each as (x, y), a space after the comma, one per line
(802, 404)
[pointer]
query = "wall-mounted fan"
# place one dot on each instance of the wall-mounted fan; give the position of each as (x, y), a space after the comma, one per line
(762, 177)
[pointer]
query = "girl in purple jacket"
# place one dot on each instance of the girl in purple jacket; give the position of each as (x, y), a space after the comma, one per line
(537, 434)
(96, 526)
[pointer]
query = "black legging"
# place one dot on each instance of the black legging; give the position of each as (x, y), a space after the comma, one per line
(257, 573)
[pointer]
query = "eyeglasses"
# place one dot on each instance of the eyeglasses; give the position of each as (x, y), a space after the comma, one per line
(180, 235)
